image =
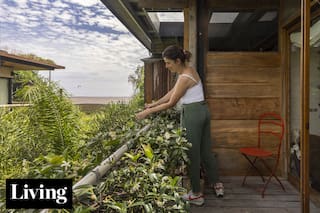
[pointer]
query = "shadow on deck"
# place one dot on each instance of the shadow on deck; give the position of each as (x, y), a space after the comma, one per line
(247, 199)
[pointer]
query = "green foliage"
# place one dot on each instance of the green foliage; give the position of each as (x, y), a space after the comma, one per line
(145, 180)
(53, 119)
(15, 144)
(53, 139)
(113, 126)
(137, 80)
(39, 140)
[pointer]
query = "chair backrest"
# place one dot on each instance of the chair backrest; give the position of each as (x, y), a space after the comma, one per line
(271, 123)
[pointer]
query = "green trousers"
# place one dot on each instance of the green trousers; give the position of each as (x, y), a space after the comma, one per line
(195, 117)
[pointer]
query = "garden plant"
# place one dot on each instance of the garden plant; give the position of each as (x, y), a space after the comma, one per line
(52, 138)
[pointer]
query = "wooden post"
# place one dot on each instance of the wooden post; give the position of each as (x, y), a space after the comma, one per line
(202, 37)
(148, 79)
(304, 89)
(186, 29)
(192, 29)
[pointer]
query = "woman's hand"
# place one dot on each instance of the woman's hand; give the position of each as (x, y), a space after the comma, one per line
(146, 106)
(143, 114)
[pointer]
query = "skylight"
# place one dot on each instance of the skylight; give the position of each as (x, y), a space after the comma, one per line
(169, 16)
(268, 16)
(223, 17)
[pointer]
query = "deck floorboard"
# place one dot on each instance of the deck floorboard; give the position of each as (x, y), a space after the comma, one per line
(247, 199)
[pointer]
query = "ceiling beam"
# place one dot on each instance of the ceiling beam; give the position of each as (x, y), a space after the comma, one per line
(217, 4)
(124, 15)
(163, 4)
(243, 4)
(152, 19)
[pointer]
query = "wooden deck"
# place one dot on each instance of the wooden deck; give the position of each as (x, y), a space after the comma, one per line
(247, 199)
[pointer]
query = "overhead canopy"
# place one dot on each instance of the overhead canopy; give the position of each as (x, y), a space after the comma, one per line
(254, 24)
(22, 63)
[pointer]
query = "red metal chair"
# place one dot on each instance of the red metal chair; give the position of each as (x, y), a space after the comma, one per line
(270, 124)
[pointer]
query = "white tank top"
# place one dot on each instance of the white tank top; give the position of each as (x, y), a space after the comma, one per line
(194, 93)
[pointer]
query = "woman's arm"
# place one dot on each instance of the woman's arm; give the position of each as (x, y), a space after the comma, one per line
(162, 100)
(176, 93)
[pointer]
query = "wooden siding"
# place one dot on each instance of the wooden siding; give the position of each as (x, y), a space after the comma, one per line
(158, 80)
(148, 82)
(239, 87)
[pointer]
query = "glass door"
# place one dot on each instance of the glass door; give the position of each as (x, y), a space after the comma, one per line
(314, 110)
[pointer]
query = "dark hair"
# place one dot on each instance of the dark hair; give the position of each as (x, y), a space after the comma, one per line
(174, 52)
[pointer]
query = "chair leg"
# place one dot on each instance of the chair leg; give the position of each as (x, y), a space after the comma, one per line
(272, 174)
(280, 183)
(252, 165)
(265, 186)
(248, 169)
(245, 177)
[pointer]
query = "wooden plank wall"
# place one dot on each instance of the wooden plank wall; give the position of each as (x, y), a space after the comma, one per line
(239, 87)
(158, 80)
(148, 76)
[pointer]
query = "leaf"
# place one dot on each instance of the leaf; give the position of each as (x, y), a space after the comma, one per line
(175, 180)
(148, 151)
(84, 191)
(46, 169)
(54, 159)
(153, 177)
(167, 135)
(148, 207)
(134, 158)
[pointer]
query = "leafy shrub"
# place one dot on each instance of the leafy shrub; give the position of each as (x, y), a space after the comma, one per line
(53, 139)
(146, 178)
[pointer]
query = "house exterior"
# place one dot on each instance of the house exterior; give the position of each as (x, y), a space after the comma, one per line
(253, 57)
(8, 64)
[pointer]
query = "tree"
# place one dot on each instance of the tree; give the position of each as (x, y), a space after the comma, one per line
(137, 81)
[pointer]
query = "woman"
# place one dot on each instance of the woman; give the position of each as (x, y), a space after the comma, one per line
(195, 118)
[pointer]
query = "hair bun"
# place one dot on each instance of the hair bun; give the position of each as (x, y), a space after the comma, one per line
(187, 54)
(175, 52)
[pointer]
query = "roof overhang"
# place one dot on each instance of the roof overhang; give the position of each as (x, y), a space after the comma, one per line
(145, 26)
(22, 63)
(140, 18)
(123, 11)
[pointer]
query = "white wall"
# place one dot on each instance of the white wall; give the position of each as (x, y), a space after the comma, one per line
(4, 91)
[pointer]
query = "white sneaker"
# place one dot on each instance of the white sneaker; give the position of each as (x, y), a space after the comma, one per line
(219, 189)
(194, 199)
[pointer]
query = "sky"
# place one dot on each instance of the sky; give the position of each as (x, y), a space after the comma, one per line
(97, 50)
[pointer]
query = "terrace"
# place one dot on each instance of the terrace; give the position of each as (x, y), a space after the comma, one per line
(249, 56)
(247, 199)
